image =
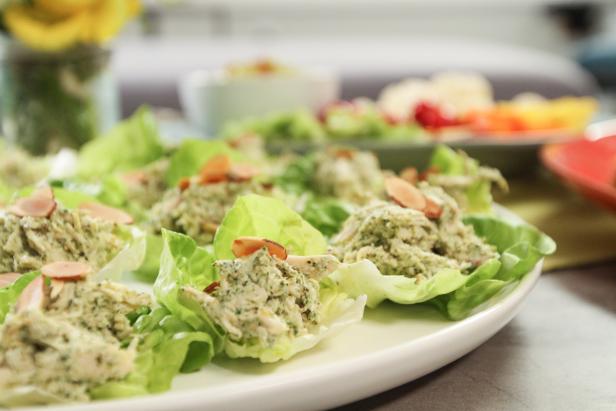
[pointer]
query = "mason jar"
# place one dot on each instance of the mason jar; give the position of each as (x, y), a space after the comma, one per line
(55, 100)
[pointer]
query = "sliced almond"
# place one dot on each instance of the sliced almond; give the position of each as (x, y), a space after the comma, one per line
(410, 174)
(44, 192)
(106, 213)
(33, 296)
(404, 193)
(34, 206)
(346, 153)
(66, 270)
(215, 170)
(135, 177)
(245, 246)
(184, 183)
(209, 227)
(433, 210)
(314, 266)
(7, 279)
(243, 172)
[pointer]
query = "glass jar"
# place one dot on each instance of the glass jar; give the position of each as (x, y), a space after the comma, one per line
(55, 100)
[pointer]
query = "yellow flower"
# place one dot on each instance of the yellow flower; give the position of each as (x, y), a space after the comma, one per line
(52, 25)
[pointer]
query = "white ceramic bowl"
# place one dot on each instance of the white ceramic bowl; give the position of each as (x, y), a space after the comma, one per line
(210, 98)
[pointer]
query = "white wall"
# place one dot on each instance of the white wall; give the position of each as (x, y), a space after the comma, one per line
(521, 22)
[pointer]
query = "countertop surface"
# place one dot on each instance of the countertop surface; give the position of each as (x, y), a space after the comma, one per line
(559, 353)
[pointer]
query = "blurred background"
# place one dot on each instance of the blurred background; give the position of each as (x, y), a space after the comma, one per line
(537, 45)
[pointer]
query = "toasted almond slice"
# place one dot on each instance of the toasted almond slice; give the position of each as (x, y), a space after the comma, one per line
(245, 246)
(345, 153)
(209, 227)
(410, 174)
(314, 266)
(433, 210)
(33, 296)
(135, 177)
(404, 193)
(243, 172)
(7, 279)
(184, 183)
(44, 192)
(66, 270)
(212, 287)
(34, 206)
(106, 213)
(216, 169)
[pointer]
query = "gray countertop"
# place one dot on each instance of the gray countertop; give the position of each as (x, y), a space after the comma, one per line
(559, 353)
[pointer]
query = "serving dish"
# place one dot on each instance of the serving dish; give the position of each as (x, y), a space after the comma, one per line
(392, 345)
(210, 99)
(589, 166)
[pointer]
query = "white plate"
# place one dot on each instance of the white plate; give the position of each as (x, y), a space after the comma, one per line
(394, 344)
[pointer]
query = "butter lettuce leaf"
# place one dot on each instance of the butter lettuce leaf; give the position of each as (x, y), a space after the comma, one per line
(521, 246)
(129, 259)
(297, 176)
(132, 143)
(167, 347)
(456, 294)
(364, 278)
(477, 196)
(148, 271)
(267, 217)
(326, 214)
(184, 264)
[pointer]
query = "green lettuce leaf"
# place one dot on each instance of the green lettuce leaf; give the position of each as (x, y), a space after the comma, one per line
(151, 262)
(267, 217)
(133, 143)
(192, 154)
(10, 294)
(129, 259)
(326, 214)
(299, 125)
(168, 346)
(297, 176)
(456, 294)
(364, 278)
(478, 195)
(521, 247)
(183, 263)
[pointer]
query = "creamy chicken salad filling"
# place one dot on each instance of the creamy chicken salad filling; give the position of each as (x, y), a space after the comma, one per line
(198, 209)
(146, 186)
(27, 243)
(261, 298)
(350, 175)
(404, 241)
(20, 169)
(78, 339)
